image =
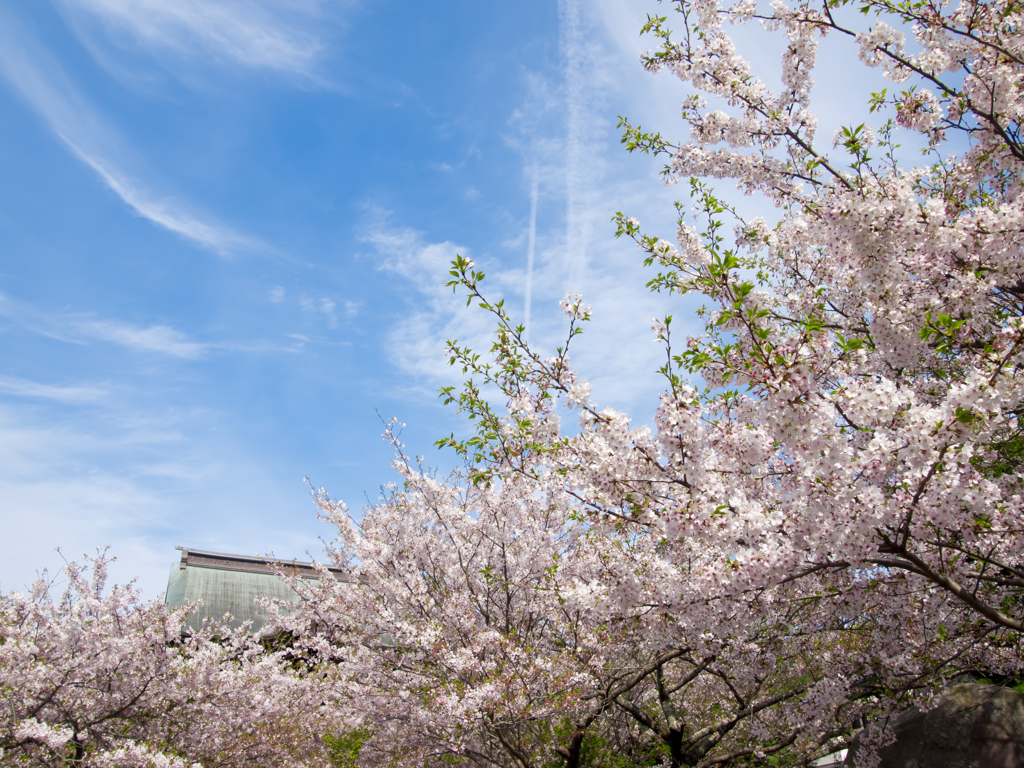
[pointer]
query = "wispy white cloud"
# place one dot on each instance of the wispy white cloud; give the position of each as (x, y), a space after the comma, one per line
(621, 364)
(327, 307)
(575, 175)
(45, 86)
(433, 314)
(154, 338)
(134, 477)
(279, 35)
(219, 239)
(80, 328)
(14, 385)
(276, 294)
(407, 254)
(330, 308)
(88, 507)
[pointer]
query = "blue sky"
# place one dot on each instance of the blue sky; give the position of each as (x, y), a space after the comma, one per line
(225, 228)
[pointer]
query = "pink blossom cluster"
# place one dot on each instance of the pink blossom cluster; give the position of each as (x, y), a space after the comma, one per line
(847, 430)
(107, 681)
(877, 356)
(496, 623)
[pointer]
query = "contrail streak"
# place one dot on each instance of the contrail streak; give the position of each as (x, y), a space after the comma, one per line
(575, 85)
(530, 246)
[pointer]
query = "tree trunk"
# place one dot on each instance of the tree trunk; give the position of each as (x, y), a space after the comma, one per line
(572, 752)
(675, 748)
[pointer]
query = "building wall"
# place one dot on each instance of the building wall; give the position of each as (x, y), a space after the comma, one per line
(224, 592)
(230, 584)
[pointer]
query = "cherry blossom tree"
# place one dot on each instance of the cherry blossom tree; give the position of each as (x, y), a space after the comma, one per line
(491, 622)
(874, 335)
(104, 680)
(854, 402)
(851, 415)
(460, 638)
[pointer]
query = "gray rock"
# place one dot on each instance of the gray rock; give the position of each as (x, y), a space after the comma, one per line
(973, 726)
